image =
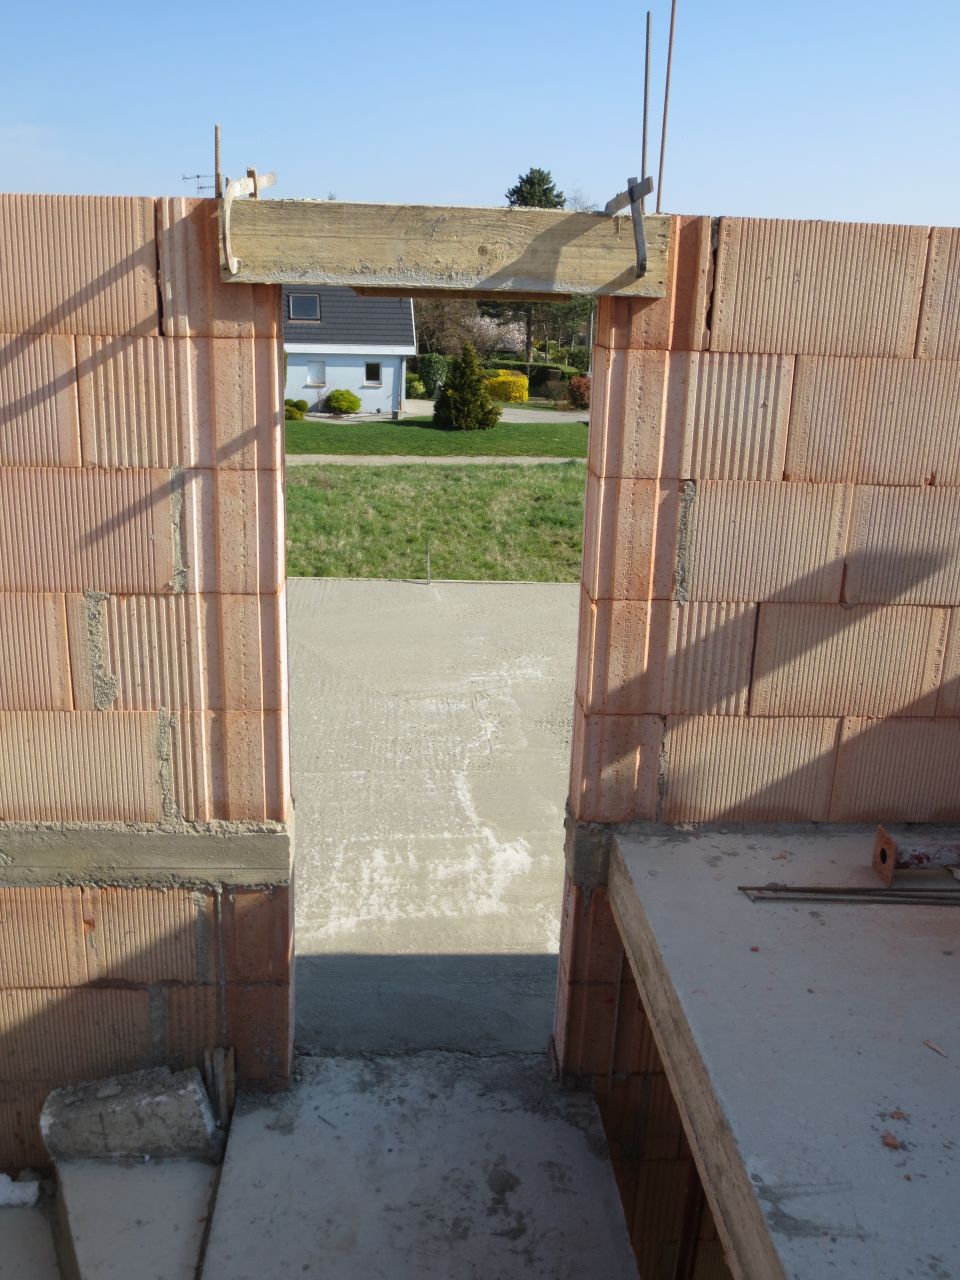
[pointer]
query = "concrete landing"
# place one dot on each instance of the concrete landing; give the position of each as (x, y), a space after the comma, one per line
(26, 1246)
(430, 736)
(135, 1221)
(408, 1168)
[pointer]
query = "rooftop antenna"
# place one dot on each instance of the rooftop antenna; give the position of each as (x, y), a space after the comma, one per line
(203, 181)
(666, 104)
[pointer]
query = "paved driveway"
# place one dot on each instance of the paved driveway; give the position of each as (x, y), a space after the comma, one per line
(430, 751)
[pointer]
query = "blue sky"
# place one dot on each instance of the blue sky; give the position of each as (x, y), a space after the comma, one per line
(835, 110)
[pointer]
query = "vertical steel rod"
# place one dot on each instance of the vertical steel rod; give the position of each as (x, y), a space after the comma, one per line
(218, 180)
(666, 105)
(646, 109)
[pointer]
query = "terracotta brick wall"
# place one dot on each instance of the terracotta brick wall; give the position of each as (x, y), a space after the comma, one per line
(770, 604)
(142, 648)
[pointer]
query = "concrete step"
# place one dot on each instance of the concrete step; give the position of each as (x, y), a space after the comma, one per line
(26, 1245)
(425, 1166)
(127, 1220)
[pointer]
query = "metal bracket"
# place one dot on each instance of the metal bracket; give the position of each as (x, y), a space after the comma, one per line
(250, 186)
(633, 196)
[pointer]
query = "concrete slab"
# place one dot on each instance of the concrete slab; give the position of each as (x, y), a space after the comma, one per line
(813, 1047)
(135, 1220)
(26, 1246)
(430, 753)
(428, 1165)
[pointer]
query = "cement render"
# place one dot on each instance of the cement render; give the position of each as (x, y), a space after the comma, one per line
(427, 1165)
(430, 753)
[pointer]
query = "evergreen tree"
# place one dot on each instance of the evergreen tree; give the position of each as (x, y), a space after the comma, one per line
(535, 189)
(464, 403)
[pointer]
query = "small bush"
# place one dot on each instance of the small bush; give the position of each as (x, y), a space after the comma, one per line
(510, 387)
(302, 405)
(554, 388)
(292, 411)
(579, 391)
(463, 403)
(415, 388)
(580, 359)
(433, 370)
(342, 402)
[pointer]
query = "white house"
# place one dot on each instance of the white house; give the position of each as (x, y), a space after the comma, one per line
(334, 339)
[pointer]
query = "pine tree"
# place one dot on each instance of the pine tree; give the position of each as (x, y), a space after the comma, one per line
(464, 403)
(535, 189)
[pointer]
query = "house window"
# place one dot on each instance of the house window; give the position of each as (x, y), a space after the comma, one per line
(316, 373)
(373, 372)
(304, 306)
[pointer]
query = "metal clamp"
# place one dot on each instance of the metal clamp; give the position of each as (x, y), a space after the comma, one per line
(633, 196)
(250, 186)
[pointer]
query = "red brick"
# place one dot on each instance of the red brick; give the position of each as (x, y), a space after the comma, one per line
(729, 768)
(195, 300)
(817, 288)
(21, 1146)
(619, 779)
(897, 771)
(590, 946)
(257, 933)
(73, 1034)
(34, 658)
(261, 1031)
(41, 937)
(78, 264)
(145, 935)
(39, 424)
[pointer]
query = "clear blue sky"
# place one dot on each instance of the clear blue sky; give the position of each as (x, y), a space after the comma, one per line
(846, 109)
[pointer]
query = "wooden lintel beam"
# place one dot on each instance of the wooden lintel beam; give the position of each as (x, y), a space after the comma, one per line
(531, 253)
(478, 295)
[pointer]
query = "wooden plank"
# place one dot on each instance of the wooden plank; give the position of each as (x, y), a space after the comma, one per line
(504, 252)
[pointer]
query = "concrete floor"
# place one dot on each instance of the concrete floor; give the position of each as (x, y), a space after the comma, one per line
(430, 750)
(427, 1165)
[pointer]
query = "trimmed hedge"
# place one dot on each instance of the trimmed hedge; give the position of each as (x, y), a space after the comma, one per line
(508, 386)
(539, 373)
(342, 402)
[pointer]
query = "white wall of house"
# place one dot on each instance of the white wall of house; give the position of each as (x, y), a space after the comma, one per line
(312, 375)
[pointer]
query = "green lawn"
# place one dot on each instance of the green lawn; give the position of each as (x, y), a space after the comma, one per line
(490, 522)
(419, 436)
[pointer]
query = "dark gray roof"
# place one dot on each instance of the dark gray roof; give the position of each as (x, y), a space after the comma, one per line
(346, 318)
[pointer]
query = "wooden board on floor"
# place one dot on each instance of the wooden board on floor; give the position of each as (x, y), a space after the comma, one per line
(419, 250)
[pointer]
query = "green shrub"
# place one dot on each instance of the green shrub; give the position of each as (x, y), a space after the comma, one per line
(342, 402)
(539, 373)
(580, 359)
(302, 405)
(292, 412)
(579, 389)
(415, 388)
(433, 370)
(553, 388)
(504, 384)
(464, 403)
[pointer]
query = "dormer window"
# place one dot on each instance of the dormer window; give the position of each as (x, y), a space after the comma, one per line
(304, 306)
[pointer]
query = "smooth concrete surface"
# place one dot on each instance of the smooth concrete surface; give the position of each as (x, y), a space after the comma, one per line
(430, 755)
(425, 1165)
(813, 1046)
(26, 1246)
(136, 1221)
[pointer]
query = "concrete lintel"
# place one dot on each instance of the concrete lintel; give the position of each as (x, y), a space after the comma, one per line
(232, 853)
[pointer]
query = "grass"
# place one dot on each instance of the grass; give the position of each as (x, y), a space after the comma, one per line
(496, 523)
(419, 436)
